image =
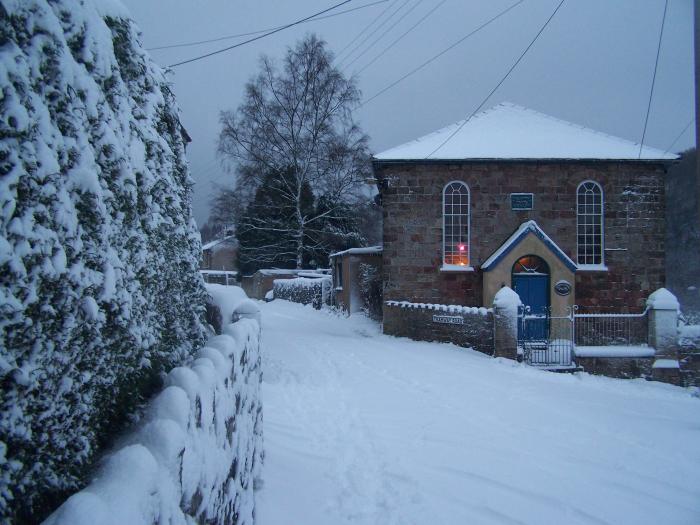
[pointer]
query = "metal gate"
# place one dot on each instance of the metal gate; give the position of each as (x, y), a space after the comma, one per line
(546, 340)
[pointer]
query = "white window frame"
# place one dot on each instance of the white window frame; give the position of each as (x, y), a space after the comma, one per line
(456, 267)
(591, 266)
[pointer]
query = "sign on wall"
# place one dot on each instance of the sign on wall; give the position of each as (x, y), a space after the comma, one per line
(521, 201)
(448, 319)
(562, 288)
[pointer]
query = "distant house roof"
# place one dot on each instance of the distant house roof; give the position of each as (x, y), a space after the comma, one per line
(507, 131)
(229, 239)
(370, 250)
(518, 235)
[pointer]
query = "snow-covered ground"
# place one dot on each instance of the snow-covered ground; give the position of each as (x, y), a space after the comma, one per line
(366, 428)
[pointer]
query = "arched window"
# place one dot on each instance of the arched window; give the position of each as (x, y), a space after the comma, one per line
(455, 225)
(589, 223)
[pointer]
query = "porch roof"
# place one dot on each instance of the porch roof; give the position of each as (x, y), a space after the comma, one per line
(523, 230)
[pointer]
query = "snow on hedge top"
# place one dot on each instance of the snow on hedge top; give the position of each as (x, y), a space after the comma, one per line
(662, 299)
(507, 131)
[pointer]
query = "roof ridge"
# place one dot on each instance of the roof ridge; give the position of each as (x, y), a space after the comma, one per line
(577, 126)
(514, 114)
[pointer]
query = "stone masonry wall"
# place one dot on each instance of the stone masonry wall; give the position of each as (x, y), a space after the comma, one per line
(634, 225)
(416, 321)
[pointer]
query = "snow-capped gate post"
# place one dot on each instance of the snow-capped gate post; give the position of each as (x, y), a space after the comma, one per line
(505, 315)
(663, 334)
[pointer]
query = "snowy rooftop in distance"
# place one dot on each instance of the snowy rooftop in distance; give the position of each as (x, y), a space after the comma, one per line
(230, 239)
(370, 250)
(507, 131)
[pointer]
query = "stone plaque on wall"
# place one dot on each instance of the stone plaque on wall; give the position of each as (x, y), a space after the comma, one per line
(521, 201)
(448, 319)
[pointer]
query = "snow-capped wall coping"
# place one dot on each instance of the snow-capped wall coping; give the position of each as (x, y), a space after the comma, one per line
(448, 308)
(507, 298)
(662, 299)
(369, 250)
(666, 364)
(196, 454)
(614, 351)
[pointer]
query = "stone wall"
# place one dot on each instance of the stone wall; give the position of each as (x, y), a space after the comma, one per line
(634, 225)
(196, 455)
(415, 320)
(619, 367)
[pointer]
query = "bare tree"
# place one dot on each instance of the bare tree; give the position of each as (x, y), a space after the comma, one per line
(296, 120)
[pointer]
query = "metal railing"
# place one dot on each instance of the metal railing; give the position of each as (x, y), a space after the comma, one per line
(226, 277)
(605, 329)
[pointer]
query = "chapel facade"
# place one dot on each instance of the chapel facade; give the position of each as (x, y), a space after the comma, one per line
(562, 214)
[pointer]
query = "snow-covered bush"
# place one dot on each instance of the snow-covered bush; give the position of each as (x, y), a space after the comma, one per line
(304, 290)
(371, 289)
(196, 455)
(99, 289)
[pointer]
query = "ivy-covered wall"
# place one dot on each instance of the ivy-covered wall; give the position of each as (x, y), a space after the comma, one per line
(99, 289)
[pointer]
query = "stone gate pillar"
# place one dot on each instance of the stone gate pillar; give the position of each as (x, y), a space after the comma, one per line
(663, 335)
(505, 315)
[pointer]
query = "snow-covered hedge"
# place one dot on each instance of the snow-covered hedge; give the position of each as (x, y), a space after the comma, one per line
(197, 454)
(99, 288)
(304, 290)
(371, 289)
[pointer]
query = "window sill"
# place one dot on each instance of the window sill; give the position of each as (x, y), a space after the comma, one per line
(456, 268)
(592, 268)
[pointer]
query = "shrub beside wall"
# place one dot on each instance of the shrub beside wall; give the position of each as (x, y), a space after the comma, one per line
(304, 290)
(198, 452)
(370, 277)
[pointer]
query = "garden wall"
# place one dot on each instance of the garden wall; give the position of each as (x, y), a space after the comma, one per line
(438, 322)
(197, 453)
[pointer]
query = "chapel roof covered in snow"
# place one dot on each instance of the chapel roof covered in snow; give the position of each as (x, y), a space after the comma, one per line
(508, 131)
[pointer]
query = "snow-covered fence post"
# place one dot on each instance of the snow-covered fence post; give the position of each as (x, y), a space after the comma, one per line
(663, 333)
(505, 315)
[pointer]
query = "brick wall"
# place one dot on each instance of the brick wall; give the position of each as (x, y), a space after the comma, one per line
(416, 321)
(412, 201)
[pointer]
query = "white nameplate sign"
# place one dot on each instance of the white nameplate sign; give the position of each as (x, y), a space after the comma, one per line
(448, 319)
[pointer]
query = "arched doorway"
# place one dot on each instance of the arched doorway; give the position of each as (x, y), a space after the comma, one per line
(530, 280)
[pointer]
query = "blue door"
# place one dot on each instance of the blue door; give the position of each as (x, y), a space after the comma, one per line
(533, 291)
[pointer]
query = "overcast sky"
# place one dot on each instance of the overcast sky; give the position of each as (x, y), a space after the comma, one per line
(593, 64)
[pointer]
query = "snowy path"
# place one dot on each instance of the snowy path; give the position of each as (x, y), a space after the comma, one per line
(368, 429)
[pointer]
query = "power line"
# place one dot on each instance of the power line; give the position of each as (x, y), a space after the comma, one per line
(435, 57)
(387, 48)
(366, 28)
(259, 37)
(522, 55)
(374, 42)
(376, 29)
(680, 135)
(229, 37)
(653, 79)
